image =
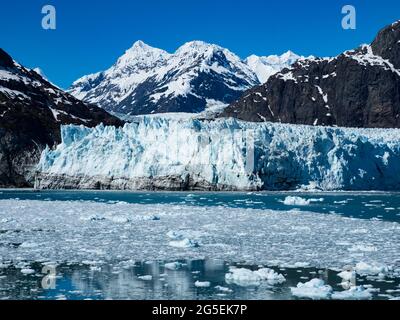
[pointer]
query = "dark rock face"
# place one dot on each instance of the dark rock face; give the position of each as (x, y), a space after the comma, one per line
(31, 112)
(359, 88)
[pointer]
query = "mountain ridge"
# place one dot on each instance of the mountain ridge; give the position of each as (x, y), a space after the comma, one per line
(147, 80)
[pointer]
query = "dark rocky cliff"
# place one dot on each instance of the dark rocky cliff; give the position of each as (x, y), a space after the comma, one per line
(31, 112)
(359, 88)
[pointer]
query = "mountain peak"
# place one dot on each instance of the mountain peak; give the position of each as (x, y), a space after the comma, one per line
(5, 59)
(140, 45)
(197, 46)
(387, 44)
(266, 66)
(142, 52)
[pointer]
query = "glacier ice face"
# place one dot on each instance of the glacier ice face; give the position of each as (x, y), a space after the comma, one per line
(224, 154)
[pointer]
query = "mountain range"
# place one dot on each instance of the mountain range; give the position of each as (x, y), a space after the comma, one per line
(198, 75)
(358, 88)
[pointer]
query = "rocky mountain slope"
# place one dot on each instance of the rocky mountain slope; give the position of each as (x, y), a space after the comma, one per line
(31, 113)
(359, 88)
(198, 75)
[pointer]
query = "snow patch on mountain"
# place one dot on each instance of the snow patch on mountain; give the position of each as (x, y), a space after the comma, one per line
(266, 66)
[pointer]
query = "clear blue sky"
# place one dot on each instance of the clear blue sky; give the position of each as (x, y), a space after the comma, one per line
(91, 34)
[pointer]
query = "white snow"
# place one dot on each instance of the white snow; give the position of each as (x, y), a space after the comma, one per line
(369, 58)
(315, 289)
(13, 93)
(265, 67)
(227, 152)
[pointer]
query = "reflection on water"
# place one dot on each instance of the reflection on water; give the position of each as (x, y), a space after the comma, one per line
(133, 281)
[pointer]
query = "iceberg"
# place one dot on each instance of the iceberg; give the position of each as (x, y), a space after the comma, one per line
(315, 289)
(157, 153)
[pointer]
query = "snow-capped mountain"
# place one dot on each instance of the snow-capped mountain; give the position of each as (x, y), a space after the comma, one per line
(148, 80)
(31, 112)
(358, 88)
(267, 66)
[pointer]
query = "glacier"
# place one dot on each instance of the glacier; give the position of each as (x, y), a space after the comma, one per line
(156, 153)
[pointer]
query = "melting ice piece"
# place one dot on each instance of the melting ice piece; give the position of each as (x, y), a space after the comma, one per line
(184, 243)
(296, 201)
(173, 265)
(202, 284)
(354, 293)
(246, 278)
(371, 269)
(315, 289)
(146, 278)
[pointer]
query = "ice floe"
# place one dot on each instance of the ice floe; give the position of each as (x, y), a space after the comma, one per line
(202, 284)
(244, 277)
(77, 231)
(299, 201)
(354, 293)
(315, 289)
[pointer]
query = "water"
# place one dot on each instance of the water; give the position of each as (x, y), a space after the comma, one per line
(76, 282)
(373, 205)
(115, 279)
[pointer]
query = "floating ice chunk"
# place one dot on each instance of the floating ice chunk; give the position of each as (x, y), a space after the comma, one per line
(362, 248)
(174, 235)
(223, 289)
(184, 243)
(246, 278)
(296, 201)
(27, 271)
(371, 269)
(173, 265)
(315, 289)
(354, 293)
(270, 276)
(242, 277)
(301, 265)
(146, 278)
(347, 275)
(93, 217)
(202, 284)
(119, 219)
(28, 245)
